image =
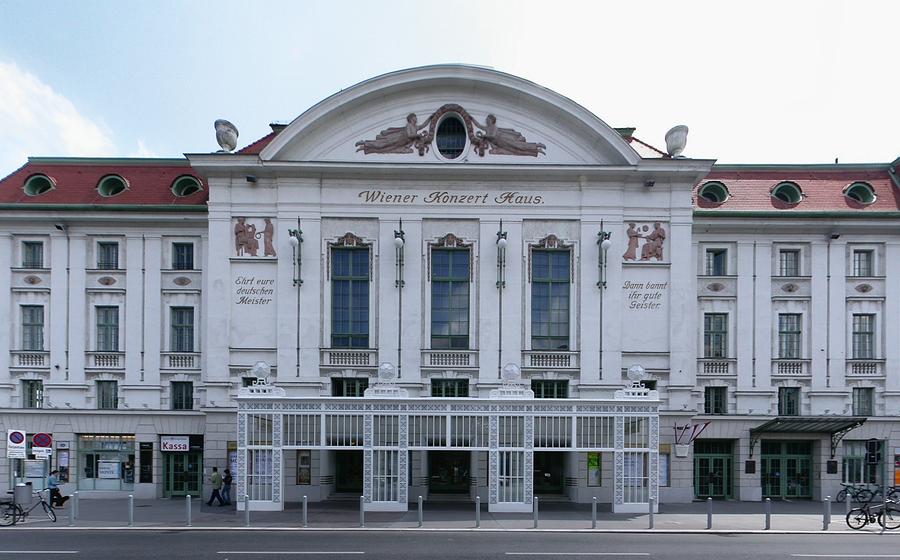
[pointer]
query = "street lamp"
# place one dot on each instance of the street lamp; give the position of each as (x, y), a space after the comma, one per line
(502, 242)
(603, 240)
(399, 242)
(295, 237)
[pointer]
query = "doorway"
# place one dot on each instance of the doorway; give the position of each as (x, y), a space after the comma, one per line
(713, 469)
(448, 472)
(182, 474)
(348, 471)
(548, 472)
(786, 469)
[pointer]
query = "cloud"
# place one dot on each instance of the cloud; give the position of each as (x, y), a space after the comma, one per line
(142, 151)
(37, 121)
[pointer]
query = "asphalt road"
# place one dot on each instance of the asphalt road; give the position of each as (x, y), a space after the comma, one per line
(254, 545)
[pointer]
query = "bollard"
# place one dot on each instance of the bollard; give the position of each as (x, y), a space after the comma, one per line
(246, 510)
(75, 503)
(187, 501)
(72, 515)
(847, 504)
(709, 513)
(477, 511)
(652, 503)
(362, 511)
(535, 512)
(768, 509)
(305, 513)
(826, 513)
(131, 510)
(420, 511)
(594, 512)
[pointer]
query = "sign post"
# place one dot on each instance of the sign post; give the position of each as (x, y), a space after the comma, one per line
(15, 444)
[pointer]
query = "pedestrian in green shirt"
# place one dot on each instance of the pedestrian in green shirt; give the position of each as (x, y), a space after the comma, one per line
(216, 480)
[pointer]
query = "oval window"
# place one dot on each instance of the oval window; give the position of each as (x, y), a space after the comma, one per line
(451, 137)
(787, 192)
(111, 185)
(861, 193)
(186, 185)
(714, 192)
(38, 184)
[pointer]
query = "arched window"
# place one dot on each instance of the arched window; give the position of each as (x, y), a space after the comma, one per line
(862, 193)
(186, 185)
(787, 192)
(451, 137)
(714, 191)
(38, 184)
(111, 185)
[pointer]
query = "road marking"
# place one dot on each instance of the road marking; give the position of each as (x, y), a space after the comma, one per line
(844, 555)
(577, 554)
(287, 552)
(38, 552)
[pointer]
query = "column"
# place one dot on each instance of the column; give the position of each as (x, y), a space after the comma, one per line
(818, 315)
(241, 478)
(619, 466)
(134, 309)
(368, 471)
(529, 462)
(762, 318)
(654, 461)
(277, 462)
(838, 322)
(403, 462)
(6, 310)
(742, 322)
(493, 462)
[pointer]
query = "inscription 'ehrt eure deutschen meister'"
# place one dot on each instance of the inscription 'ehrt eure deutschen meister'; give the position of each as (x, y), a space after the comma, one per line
(450, 199)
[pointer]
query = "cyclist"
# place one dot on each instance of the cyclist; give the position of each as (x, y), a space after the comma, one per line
(56, 497)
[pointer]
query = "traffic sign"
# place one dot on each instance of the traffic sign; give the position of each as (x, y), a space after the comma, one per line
(15, 444)
(42, 440)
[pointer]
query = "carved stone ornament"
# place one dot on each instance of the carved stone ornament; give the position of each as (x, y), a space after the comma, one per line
(715, 287)
(644, 243)
(247, 236)
(350, 240)
(864, 288)
(31, 279)
(484, 137)
(106, 280)
(551, 242)
(181, 281)
(790, 288)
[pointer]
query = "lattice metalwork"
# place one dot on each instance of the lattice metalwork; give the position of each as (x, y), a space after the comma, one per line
(469, 432)
(386, 430)
(302, 430)
(596, 433)
(511, 431)
(552, 432)
(344, 430)
(427, 431)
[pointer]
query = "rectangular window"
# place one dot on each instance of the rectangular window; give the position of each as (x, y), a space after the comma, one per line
(715, 335)
(107, 395)
(863, 337)
(182, 326)
(32, 254)
(350, 298)
(789, 262)
(32, 393)
(107, 255)
(450, 299)
(33, 327)
(864, 263)
(550, 281)
(856, 470)
(449, 387)
(788, 401)
(863, 401)
(715, 400)
(107, 328)
(182, 256)
(550, 388)
(789, 336)
(716, 262)
(349, 386)
(182, 395)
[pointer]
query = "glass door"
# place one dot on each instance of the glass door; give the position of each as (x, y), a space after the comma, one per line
(786, 469)
(713, 469)
(183, 474)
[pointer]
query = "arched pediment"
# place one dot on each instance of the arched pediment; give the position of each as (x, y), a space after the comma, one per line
(395, 118)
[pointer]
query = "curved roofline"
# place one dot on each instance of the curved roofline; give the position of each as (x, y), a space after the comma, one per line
(403, 79)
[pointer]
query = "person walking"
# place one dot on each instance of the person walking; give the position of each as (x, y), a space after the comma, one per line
(56, 497)
(226, 487)
(216, 480)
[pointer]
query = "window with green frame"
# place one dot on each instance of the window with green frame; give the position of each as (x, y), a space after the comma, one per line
(789, 331)
(789, 401)
(449, 387)
(182, 395)
(855, 469)
(550, 285)
(107, 395)
(107, 328)
(32, 393)
(863, 337)
(715, 400)
(349, 386)
(715, 335)
(863, 401)
(33, 327)
(32, 254)
(550, 388)
(350, 297)
(450, 299)
(182, 329)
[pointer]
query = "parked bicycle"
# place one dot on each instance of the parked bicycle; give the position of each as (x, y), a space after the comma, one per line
(886, 514)
(861, 493)
(12, 513)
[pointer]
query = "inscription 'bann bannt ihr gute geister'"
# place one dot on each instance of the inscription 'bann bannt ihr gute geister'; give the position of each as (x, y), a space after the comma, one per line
(447, 198)
(644, 295)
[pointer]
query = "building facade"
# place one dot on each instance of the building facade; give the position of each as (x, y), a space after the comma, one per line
(413, 266)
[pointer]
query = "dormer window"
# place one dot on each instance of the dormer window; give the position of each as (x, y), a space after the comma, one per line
(186, 185)
(787, 192)
(714, 191)
(111, 185)
(863, 193)
(38, 184)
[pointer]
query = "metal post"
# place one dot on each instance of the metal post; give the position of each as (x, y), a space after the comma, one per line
(246, 510)
(594, 512)
(420, 511)
(652, 503)
(131, 510)
(187, 502)
(305, 512)
(826, 513)
(709, 513)
(768, 513)
(72, 515)
(848, 505)
(362, 511)
(535, 512)
(477, 511)
(75, 503)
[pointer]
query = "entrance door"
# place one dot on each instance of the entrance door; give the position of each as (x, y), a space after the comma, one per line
(348, 471)
(548, 472)
(713, 469)
(448, 472)
(182, 474)
(786, 469)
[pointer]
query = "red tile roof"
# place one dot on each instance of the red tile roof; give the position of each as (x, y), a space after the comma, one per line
(823, 189)
(257, 147)
(149, 182)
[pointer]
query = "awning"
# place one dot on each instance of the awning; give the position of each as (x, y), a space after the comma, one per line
(835, 426)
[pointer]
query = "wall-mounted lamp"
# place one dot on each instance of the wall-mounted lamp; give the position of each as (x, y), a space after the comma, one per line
(834, 235)
(502, 242)
(295, 236)
(399, 242)
(251, 178)
(604, 243)
(60, 227)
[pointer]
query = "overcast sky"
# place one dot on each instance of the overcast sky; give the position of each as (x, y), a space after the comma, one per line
(756, 82)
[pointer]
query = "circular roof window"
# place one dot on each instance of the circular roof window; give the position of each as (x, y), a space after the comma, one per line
(111, 185)
(862, 193)
(714, 191)
(186, 185)
(451, 137)
(787, 192)
(38, 184)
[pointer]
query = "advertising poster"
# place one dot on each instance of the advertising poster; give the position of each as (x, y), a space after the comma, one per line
(108, 469)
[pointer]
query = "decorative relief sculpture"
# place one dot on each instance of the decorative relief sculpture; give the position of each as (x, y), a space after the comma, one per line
(652, 247)
(246, 238)
(489, 137)
(268, 234)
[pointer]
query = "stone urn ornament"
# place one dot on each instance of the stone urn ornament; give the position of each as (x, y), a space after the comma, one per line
(676, 139)
(226, 135)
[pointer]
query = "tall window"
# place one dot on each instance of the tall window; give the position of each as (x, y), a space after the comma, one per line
(550, 299)
(349, 386)
(33, 327)
(449, 387)
(107, 255)
(715, 335)
(450, 299)
(863, 401)
(789, 262)
(107, 395)
(32, 254)
(550, 388)
(32, 393)
(107, 328)
(789, 336)
(864, 263)
(349, 297)
(863, 337)
(182, 256)
(182, 321)
(788, 401)
(714, 400)
(716, 262)
(182, 395)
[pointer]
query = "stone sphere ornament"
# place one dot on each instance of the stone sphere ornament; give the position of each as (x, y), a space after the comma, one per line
(635, 373)
(511, 373)
(226, 135)
(387, 372)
